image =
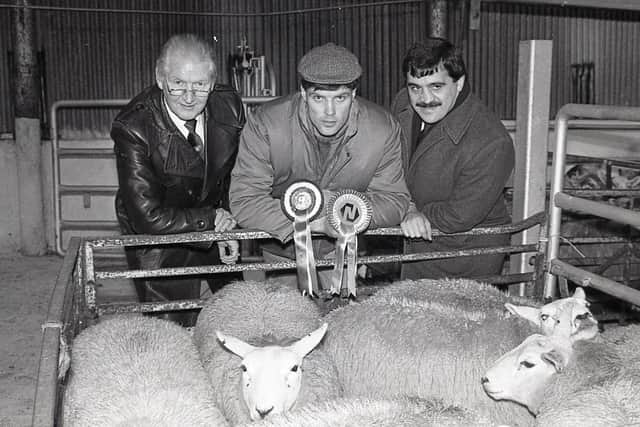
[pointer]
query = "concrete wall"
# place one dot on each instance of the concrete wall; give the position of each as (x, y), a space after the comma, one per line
(9, 208)
(9, 198)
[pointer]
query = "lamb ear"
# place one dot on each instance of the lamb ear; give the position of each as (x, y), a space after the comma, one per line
(304, 345)
(556, 358)
(579, 293)
(234, 345)
(532, 314)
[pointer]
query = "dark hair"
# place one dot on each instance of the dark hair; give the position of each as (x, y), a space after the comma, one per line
(320, 86)
(423, 59)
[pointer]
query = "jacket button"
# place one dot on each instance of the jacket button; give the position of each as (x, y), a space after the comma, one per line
(200, 224)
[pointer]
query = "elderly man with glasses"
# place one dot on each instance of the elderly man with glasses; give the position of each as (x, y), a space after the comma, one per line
(175, 145)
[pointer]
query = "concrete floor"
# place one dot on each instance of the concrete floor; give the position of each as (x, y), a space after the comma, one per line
(27, 283)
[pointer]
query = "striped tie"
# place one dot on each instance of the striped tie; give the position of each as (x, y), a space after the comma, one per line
(193, 138)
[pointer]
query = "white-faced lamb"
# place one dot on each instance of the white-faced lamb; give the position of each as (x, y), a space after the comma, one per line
(568, 383)
(435, 338)
(137, 371)
(269, 326)
(379, 412)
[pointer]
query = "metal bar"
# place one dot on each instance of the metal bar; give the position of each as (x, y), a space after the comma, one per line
(262, 266)
(587, 279)
(44, 406)
(91, 225)
(602, 193)
(532, 131)
(87, 153)
(152, 307)
(148, 239)
(604, 210)
(608, 4)
(568, 111)
(95, 190)
(593, 240)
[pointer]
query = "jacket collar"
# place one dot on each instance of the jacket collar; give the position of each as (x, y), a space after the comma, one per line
(456, 123)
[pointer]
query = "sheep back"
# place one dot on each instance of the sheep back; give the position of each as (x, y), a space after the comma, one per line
(611, 404)
(428, 338)
(249, 309)
(137, 371)
(625, 340)
(596, 371)
(361, 411)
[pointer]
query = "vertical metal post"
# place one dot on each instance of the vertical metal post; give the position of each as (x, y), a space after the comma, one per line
(531, 145)
(555, 212)
(437, 18)
(28, 134)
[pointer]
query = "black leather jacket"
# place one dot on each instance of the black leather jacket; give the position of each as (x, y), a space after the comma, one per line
(165, 186)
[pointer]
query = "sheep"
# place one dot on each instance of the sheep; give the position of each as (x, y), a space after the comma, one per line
(435, 338)
(269, 317)
(583, 325)
(625, 339)
(137, 371)
(382, 412)
(568, 383)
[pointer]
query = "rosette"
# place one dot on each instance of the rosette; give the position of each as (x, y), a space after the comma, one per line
(349, 213)
(301, 202)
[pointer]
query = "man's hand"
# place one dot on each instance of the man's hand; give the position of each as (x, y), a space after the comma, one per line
(229, 251)
(224, 221)
(321, 225)
(416, 225)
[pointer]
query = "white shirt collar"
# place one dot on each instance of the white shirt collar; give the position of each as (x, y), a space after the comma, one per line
(180, 123)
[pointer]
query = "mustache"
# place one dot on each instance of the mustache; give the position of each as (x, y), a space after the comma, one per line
(428, 104)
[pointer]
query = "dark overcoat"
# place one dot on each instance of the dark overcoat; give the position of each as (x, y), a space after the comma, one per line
(456, 177)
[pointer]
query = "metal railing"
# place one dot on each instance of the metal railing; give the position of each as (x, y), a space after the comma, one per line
(559, 200)
(60, 224)
(92, 276)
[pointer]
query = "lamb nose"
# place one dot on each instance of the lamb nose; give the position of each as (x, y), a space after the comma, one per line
(264, 412)
(484, 380)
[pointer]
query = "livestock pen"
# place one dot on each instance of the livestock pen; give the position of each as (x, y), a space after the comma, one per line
(76, 301)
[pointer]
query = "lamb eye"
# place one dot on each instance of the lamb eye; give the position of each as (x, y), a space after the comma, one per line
(295, 368)
(527, 364)
(244, 368)
(544, 317)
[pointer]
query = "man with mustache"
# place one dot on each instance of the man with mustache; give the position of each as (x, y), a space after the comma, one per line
(457, 159)
(322, 133)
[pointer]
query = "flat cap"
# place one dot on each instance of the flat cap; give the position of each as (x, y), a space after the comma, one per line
(329, 64)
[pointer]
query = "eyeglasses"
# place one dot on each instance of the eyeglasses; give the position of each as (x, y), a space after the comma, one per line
(181, 89)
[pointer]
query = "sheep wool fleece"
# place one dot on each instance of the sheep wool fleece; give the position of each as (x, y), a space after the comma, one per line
(138, 371)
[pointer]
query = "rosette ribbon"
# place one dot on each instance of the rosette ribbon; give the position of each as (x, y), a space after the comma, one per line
(301, 202)
(349, 213)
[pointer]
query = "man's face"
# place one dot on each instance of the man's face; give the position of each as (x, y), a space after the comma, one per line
(433, 96)
(190, 75)
(329, 109)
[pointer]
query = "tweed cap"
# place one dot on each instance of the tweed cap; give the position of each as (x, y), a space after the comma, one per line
(329, 64)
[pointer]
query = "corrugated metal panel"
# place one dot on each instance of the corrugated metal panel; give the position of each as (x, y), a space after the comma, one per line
(6, 40)
(111, 55)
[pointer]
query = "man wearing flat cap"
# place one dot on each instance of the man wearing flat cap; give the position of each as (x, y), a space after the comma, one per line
(325, 134)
